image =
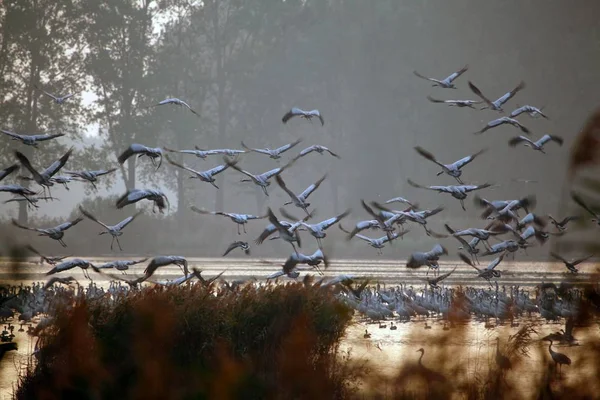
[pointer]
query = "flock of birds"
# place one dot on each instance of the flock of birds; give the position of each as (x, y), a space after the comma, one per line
(501, 219)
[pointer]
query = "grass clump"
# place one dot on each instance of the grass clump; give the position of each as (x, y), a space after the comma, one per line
(274, 341)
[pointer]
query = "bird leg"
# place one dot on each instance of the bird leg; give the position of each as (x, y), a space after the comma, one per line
(238, 229)
(462, 204)
(264, 188)
(111, 243)
(118, 243)
(244, 226)
(63, 244)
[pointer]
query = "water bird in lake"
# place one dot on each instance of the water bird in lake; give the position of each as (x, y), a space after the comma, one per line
(177, 102)
(427, 326)
(203, 153)
(204, 176)
(497, 104)
(448, 82)
(140, 150)
(559, 359)
(56, 279)
(455, 103)
(367, 335)
(537, 145)
(297, 112)
(319, 149)
(55, 233)
(91, 176)
(299, 200)
(44, 178)
(454, 169)
(577, 199)
(459, 192)
(382, 325)
(393, 327)
(52, 260)
(239, 219)
(162, 261)
(114, 230)
(158, 198)
(571, 264)
(261, 180)
(428, 374)
(561, 225)
(242, 245)
(275, 154)
(31, 140)
(70, 264)
(501, 121)
(531, 110)
(318, 230)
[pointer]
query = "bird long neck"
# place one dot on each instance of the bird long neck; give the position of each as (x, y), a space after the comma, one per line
(421, 358)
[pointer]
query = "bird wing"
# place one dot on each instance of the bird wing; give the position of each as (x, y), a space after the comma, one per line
(456, 74)
(7, 171)
(268, 231)
(468, 261)
(495, 263)
(17, 224)
(103, 172)
(523, 128)
(67, 225)
(283, 186)
(25, 162)
(328, 222)
(466, 160)
(93, 218)
(558, 257)
(413, 184)
(134, 148)
(470, 188)
(131, 196)
(292, 113)
(431, 99)
(372, 213)
(318, 114)
(307, 150)
(233, 164)
(41, 138)
(568, 219)
(444, 276)
(127, 221)
(503, 99)
(216, 170)
(516, 140)
(181, 166)
(46, 93)
(287, 146)
(57, 165)
(189, 108)
(582, 204)
(263, 151)
(546, 138)
(232, 246)
(12, 134)
(579, 261)
(308, 191)
(428, 155)
(478, 93)
(425, 77)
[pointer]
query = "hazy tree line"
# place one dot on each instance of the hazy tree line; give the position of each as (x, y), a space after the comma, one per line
(242, 64)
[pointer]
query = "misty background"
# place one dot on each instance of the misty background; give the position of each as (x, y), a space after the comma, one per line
(242, 64)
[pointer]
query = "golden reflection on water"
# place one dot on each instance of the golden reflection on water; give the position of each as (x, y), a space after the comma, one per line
(469, 349)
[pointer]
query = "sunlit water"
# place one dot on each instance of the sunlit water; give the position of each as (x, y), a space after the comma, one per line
(471, 348)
